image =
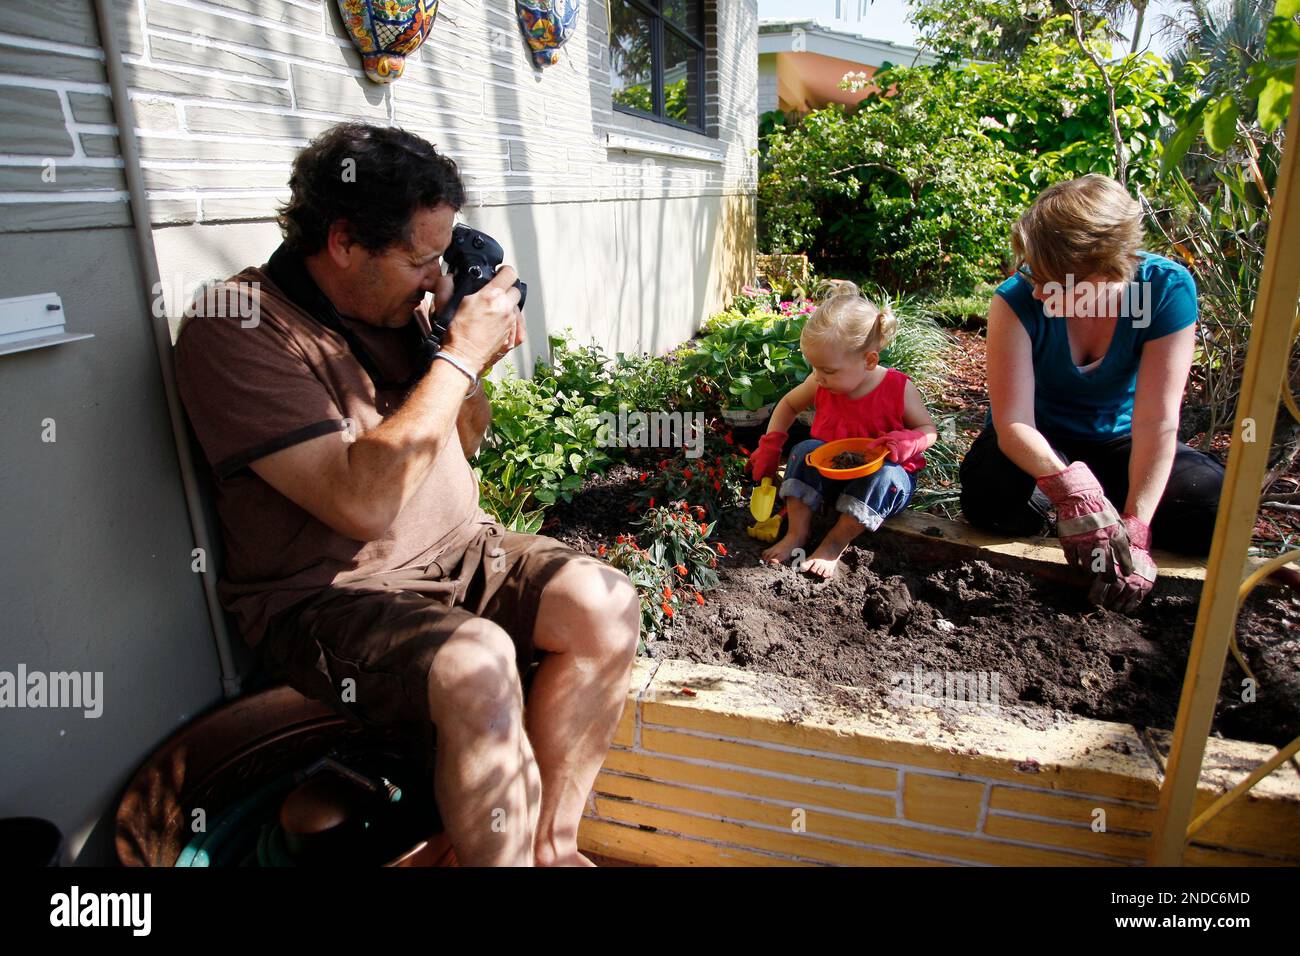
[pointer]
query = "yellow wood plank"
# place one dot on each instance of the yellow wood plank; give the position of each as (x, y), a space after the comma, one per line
(1070, 809)
(771, 788)
(1064, 836)
(763, 758)
(914, 524)
(635, 845)
(793, 844)
(634, 794)
(1081, 755)
(1252, 823)
(1197, 855)
(623, 734)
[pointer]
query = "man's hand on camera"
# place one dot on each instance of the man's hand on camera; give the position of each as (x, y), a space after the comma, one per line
(488, 323)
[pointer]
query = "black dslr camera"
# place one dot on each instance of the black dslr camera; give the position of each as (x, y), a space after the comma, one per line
(472, 259)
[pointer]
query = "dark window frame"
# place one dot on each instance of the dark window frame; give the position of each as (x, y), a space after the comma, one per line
(659, 23)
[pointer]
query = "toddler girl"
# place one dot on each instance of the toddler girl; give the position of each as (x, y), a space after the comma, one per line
(854, 397)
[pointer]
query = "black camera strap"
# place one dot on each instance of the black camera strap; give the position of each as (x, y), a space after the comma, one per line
(288, 270)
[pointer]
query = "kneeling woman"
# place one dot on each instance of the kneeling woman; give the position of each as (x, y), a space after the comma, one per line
(1089, 347)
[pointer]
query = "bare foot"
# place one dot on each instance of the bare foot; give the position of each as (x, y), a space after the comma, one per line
(825, 559)
(782, 551)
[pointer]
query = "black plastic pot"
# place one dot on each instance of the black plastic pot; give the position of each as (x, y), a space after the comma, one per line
(29, 842)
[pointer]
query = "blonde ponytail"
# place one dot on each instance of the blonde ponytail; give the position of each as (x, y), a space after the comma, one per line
(852, 323)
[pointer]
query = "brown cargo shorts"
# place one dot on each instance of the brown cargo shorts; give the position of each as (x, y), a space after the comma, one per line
(366, 647)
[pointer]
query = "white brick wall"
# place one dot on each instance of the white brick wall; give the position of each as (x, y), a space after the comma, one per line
(226, 91)
(55, 169)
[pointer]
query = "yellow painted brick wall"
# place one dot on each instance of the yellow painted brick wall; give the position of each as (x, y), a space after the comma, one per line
(713, 767)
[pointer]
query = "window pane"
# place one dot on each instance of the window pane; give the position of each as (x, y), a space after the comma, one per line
(681, 80)
(685, 14)
(630, 57)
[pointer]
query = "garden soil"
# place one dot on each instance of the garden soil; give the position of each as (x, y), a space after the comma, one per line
(889, 611)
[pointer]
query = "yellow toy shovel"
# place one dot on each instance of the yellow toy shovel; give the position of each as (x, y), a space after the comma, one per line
(761, 502)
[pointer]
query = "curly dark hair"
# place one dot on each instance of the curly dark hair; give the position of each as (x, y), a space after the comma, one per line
(393, 174)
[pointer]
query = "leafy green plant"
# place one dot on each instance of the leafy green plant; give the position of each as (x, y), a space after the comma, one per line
(752, 299)
(509, 502)
(636, 381)
(922, 183)
(576, 369)
(542, 440)
(960, 309)
(1246, 79)
(1216, 213)
(669, 561)
(1221, 238)
(752, 361)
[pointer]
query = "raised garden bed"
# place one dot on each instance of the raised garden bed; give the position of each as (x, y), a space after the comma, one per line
(761, 730)
(900, 601)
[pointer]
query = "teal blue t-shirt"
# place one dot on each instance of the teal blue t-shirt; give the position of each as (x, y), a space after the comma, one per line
(1098, 404)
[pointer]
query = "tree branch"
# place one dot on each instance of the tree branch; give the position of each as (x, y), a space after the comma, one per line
(1121, 155)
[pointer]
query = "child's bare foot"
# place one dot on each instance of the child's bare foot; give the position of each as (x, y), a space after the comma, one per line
(826, 558)
(782, 551)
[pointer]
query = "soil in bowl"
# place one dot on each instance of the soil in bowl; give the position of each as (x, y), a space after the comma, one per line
(848, 459)
(891, 608)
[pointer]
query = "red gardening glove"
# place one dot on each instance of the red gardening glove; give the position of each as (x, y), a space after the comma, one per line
(904, 444)
(1131, 574)
(764, 459)
(1087, 524)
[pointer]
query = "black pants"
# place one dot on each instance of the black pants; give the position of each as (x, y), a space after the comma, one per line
(998, 497)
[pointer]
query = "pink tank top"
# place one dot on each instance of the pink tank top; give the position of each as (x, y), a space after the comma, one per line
(880, 410)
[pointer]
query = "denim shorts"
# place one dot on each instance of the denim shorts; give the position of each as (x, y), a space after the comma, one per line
(870, 499)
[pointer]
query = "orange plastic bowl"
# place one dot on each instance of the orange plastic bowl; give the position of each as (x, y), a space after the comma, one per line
(822, 457)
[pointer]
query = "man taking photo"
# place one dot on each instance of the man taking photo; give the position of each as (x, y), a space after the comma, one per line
(356, 551)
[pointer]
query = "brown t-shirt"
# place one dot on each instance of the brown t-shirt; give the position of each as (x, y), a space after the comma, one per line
(284, 379)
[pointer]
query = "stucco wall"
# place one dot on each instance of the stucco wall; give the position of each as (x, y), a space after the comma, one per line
(95, 571)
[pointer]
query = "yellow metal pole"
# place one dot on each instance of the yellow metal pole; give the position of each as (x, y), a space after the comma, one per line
(1262, 384)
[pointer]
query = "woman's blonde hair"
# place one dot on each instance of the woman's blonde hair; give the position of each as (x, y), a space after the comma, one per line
(1081, 227)
(851, 322)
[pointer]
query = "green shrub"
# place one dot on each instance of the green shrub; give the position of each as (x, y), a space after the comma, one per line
(920, 187)
(636, 381)
(961, 309)
(751, 361)
(540, 448)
